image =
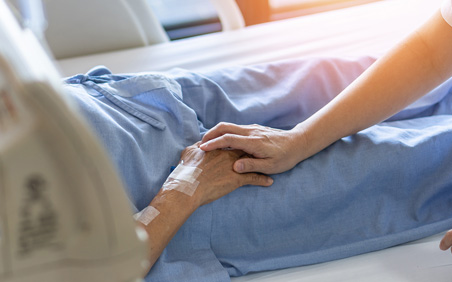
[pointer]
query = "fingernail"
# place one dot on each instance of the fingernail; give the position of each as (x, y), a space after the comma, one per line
(269, 181)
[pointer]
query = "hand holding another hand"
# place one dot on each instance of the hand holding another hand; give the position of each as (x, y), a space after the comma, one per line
(273, 150)
(217, 177)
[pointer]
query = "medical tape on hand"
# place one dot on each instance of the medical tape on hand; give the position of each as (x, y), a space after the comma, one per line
(147, 215)
(183, 179)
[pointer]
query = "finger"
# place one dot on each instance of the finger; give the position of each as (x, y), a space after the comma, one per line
(223, 128)
(237, 142)
(257, 179)
(246, 165)
(446, 242)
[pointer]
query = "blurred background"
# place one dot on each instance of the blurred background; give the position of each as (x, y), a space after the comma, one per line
(196, 17)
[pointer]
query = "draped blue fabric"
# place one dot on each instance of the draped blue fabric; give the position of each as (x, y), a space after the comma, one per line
(386, 185)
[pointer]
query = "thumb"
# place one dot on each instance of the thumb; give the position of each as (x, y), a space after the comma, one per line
(246, 165)
(446, 242)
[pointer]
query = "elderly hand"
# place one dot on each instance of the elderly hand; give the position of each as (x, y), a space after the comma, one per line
(446, 242)
(274, 150)
(218, 178)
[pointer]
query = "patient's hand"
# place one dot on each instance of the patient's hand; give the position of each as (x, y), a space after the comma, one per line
(218, 178)
(274, 150)
(446, 242)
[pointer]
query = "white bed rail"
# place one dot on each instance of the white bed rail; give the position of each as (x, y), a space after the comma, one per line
(83, 27)
(229, 13)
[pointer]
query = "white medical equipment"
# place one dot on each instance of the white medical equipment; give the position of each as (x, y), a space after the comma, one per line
(64, 215)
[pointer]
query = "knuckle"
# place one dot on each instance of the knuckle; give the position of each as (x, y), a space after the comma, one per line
(264, 137)
(191, 151)
(270, 163)
(222, 125)
(186, 150)
(255, 178)
(268, 167)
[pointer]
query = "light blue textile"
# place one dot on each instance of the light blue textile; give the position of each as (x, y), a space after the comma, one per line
(384, 186)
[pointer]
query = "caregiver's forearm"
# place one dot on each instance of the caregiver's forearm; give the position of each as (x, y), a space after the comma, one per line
(406, 73)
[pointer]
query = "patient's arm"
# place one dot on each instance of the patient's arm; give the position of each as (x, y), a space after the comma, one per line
(410, 70)
(216, 180)
(446, 242)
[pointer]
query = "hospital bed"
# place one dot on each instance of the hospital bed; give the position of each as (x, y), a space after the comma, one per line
(361, 30)
(369, 29)
(418, 261)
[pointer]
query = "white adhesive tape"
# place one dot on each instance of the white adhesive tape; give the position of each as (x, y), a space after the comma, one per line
(147, 215)
(181, 186)
(183, 179)
(185, 173)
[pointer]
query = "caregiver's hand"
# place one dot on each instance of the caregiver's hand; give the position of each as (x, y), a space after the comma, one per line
(217, 177)
(274, 150)
(446, 242)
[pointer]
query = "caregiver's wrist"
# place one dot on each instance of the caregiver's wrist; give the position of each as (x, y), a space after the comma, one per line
(314, 136)
(300, 139)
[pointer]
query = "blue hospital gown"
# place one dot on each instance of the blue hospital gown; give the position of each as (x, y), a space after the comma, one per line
(386, 185)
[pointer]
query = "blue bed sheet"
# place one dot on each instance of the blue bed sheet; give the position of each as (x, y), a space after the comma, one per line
(386, 185)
